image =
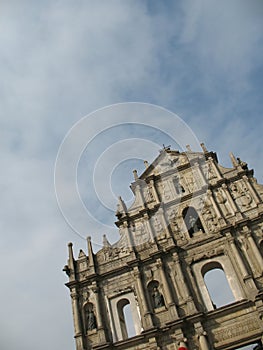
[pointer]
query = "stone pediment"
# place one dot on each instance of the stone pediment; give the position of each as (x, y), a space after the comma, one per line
(167, 160)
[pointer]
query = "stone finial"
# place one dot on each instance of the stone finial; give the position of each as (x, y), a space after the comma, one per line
(135, 174)
(70, 267)
(121, 208)
(146, 164)
(90, 251)
(203, 147)
(188, 148)
(122, 204)
(105, 241)
(233, 160)
(70, 254)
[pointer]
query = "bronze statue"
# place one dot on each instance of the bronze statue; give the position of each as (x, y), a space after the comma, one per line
(158, 300)
(91, 320)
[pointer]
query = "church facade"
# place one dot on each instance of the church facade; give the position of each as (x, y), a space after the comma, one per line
(190, 217)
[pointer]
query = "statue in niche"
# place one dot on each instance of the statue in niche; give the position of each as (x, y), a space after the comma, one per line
(210, 172)
(158, 300)
(91, 319)
(195, 224)
(166, 192)
(190, 183)
(157, 225)
(173, 221)
(179, 189)
(148, 194)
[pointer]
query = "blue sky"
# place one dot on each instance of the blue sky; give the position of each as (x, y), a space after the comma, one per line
(60, 61)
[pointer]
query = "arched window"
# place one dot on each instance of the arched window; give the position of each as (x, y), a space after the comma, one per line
(253, 346)
(125, 318)
(192, 221)
(129, 320)
(217, 285)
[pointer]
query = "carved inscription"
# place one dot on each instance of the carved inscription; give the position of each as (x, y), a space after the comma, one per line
(239, 329)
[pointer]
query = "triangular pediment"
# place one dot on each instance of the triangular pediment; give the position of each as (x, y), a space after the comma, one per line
(167, 160)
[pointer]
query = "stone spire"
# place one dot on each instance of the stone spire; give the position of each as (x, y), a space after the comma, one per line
(233, 160)
(121, 208)
(106, 243)
(90, 252)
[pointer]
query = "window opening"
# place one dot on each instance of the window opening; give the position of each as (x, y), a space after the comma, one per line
(218, 286)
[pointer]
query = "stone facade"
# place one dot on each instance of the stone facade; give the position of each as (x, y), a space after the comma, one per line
(190, 215)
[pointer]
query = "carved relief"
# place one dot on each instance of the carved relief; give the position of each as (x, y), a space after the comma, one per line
(241, 195)
(208, 254)
(210, 216)
(191, 184)
(183, 159)
(210, 171)
(258, 187)
(158, 227)
(175, 225)
(148, 194)
(141, 234)
(166, 191)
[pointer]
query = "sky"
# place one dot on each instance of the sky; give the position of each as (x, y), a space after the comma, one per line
(64, 60)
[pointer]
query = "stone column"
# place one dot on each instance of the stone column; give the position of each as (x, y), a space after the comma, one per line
(155, 194)
(149, 228)
(147, 317)
(214, 205)
(201, 175)
(126, 230)
(251, 189)
(255, 251)
(101, 331)
(77, 322)
(138, 193)
(185, 294)
(203, 342)
(231, 201)
(164, 222)
(251, 289)
(213, 165)
(238, 258)
(202, 336)
(168, 294)
(76, 315)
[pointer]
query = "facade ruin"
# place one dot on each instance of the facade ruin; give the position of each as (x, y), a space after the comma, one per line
(190, 216)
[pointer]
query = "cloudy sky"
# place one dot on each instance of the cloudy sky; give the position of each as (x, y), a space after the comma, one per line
(62, 60)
